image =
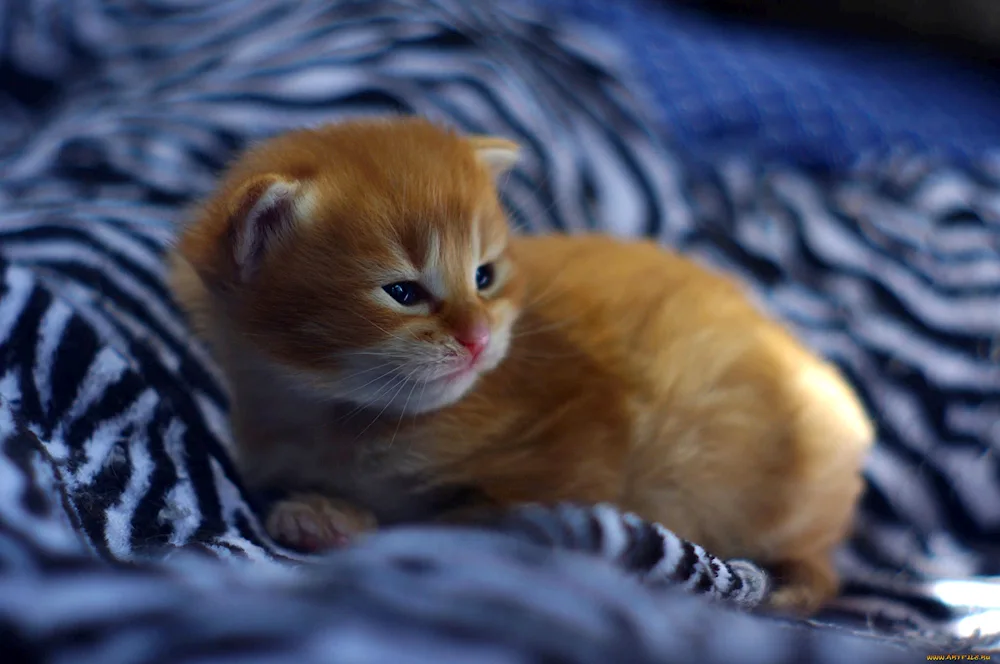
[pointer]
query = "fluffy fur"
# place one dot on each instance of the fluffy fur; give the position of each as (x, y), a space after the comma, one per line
(613, 371)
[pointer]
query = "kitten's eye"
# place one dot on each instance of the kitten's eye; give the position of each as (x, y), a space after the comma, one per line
(484, 276)
(407, 293)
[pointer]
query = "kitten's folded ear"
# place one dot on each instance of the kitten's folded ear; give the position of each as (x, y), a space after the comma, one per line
(262, 212)
(499, 155)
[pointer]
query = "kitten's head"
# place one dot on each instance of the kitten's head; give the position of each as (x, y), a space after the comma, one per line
(368, 258)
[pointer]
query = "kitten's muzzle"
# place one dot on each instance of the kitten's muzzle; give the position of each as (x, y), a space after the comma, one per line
(474, 338)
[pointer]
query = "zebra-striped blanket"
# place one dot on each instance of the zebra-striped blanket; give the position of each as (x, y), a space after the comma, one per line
(125, 534)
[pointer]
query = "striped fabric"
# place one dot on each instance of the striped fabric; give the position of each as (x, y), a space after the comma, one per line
(125, 534)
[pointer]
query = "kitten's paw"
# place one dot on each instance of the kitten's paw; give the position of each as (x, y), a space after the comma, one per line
(315, 523)
(803, 587)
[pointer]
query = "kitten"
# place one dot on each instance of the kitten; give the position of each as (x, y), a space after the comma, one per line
(385, 334)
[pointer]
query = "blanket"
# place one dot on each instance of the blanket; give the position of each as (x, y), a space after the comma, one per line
(126, 534)
(815, 97)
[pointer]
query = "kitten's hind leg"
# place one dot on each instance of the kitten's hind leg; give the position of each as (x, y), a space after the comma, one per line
(803, 586)
(314, 523)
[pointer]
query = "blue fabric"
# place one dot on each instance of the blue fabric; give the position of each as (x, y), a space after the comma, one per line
(820, 101)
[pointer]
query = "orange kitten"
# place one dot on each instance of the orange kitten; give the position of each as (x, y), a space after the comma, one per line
(383, 334)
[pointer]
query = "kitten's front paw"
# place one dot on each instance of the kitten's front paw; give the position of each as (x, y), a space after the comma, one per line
(315, 523)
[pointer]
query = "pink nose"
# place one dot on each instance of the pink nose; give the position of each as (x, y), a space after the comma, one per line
(475, 338)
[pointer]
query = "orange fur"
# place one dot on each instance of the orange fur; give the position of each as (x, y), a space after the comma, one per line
(616, 371)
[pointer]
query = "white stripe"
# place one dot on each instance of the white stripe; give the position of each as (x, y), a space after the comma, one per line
(107, 368)
(118, 517)
(903, 485)
(124, 243)
(180, 506)
(98, 448)
(50, 333)
(231, 504)
(10, 390)
(673, 553)
(975, 482)
(615, 536)
(945, 367)
(216, 419)
(19, 285)
(982, 624)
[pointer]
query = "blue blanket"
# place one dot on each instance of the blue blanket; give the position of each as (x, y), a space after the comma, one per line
(799, 96)
(125, 532)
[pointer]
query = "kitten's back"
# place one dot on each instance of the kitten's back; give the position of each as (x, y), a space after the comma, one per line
(738, 436)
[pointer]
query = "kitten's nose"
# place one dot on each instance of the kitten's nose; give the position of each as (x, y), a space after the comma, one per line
(475, 337)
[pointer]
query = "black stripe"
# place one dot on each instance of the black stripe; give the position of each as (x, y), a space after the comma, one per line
(688, 564)
(22, 353)
(645, 549)
(22, 447)
(76, 352)
(147, 527)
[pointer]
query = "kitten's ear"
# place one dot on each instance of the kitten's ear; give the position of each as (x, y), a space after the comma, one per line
(499, 155)
(263, 211)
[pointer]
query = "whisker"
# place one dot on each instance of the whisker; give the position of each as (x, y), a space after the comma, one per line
(373, 353)
(544, 356)
(364, 371)
(361, 387)
(402, 384)
(550, 290)
(521, 334)
(385, 331)
(420, 399)
(382, 390)
(403, 412)
(424, 387)
(420, 355)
